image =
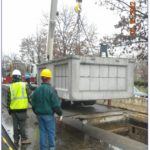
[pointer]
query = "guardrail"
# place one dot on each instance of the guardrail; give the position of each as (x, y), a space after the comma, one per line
(5, 88)
(7, 143)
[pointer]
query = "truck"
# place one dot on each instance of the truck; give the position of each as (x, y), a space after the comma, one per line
(25, 68)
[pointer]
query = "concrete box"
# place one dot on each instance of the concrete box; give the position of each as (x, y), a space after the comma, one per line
(79, 78)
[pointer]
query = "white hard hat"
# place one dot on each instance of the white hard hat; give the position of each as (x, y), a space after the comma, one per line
(16, 72)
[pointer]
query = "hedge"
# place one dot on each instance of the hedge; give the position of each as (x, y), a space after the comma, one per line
(141, 83)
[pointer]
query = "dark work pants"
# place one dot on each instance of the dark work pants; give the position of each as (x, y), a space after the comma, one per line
(19, 121)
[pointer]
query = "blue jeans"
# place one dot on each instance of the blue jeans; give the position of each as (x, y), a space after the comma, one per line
(47, 131)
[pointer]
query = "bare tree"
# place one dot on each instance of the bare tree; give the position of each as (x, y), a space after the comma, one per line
(139, 44)
(73, 35)
(40, 45)
(8, 62)
(141, 70)
(27, 49)
(33, 47)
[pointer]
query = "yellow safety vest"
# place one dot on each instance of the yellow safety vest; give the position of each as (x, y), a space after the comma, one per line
(19, 99)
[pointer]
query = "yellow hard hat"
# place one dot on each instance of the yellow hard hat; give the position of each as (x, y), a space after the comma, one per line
(46, 73)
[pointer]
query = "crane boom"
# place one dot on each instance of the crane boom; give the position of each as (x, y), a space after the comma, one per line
(52, 23)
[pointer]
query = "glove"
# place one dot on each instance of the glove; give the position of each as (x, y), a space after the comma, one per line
(60, 118)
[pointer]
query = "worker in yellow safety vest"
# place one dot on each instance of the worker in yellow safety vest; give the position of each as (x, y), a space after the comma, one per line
(17, 104)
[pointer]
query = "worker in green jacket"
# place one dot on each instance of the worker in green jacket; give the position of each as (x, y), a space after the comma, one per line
(17, 105)
(45, 102)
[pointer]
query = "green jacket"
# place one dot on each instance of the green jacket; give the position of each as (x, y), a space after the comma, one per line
(45, 100)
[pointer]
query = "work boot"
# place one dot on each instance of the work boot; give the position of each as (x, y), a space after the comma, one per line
(27, 141)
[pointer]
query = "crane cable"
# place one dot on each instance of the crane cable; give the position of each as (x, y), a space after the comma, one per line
(77, 9)
(79, 21)
(86, 35)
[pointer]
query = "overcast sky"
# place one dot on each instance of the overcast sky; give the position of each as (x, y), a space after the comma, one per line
(21, 18)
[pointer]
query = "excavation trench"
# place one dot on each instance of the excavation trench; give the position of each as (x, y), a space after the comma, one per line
(114, 128)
